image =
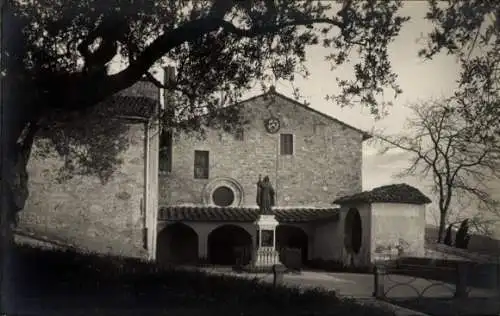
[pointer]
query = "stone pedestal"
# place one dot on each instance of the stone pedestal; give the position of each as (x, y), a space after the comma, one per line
(266, 254)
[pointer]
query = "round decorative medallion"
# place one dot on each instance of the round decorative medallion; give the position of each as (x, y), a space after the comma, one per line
(272, 125)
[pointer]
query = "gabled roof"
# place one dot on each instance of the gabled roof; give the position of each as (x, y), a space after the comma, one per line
(272, 91)
(393, 193)
(243, 214)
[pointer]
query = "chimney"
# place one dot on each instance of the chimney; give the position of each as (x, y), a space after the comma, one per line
(169, 74)
(168, 77)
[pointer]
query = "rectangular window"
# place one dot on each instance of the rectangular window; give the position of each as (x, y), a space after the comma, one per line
(239, 134)
(201, 164)
(165, 159)
(286, 144)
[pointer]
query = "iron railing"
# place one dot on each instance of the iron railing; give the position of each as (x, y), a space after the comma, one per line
(437, 279)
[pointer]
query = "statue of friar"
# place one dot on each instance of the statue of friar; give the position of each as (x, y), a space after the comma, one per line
(265, 196)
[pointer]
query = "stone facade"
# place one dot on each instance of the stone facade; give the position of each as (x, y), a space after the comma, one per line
(117, 216)
(326, 162)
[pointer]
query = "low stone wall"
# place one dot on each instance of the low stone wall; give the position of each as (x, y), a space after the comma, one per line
(480, 275)
(449, 252)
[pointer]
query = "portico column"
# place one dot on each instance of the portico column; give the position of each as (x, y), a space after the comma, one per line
(203, 243)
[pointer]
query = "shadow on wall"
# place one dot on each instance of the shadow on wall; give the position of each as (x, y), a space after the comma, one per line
(478, 243)
(89, 145)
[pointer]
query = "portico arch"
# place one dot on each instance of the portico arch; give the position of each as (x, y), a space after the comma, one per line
(288, 236)
(177, 244)
(229, 245)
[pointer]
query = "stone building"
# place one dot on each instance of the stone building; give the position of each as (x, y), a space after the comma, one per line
(179, 198)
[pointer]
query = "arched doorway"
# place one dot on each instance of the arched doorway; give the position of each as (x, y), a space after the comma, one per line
(353, 233)
(293, 237)
(177, 244)
(229, 245)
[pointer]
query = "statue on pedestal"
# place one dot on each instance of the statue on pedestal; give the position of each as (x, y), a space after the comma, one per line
(265, 196)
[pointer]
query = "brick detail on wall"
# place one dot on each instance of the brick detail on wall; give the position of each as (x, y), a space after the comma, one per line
(326, 163)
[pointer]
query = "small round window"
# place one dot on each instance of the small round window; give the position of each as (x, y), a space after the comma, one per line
(223, 196)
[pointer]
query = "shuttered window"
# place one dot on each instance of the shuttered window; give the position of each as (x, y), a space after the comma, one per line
(239, 134)
(201, 163)
(286, 144)
(165, 159)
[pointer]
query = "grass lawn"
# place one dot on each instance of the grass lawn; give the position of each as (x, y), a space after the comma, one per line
(52, 280)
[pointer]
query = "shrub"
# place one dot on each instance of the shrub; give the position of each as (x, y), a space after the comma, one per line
(463, 237)
(448, 239)
(68, 278)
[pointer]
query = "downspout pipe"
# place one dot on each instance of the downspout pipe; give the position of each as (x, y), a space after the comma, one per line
(146, 213)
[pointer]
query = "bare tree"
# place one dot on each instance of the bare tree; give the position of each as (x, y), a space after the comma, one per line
(447, 149)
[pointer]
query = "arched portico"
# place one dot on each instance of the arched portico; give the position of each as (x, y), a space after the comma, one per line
(177, 244)
(229, 245)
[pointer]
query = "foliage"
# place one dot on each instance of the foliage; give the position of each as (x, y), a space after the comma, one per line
(88, 145)
(448, 149)
(469, 30)
(62, 49)
(462, 238)
(114, 282)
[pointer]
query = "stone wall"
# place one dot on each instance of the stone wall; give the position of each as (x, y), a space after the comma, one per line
(97, 214)
(326, 163)
(102, 217)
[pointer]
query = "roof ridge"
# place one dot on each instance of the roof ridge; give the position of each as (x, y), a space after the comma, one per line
(365, 134)
(391, 193)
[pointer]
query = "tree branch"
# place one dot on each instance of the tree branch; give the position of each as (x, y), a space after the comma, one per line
(188, 32)
(172, 86)
(255, 31)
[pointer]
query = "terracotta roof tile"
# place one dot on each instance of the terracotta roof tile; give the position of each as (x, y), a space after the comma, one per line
(242, 214)
(394, 193)
(128, 106)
